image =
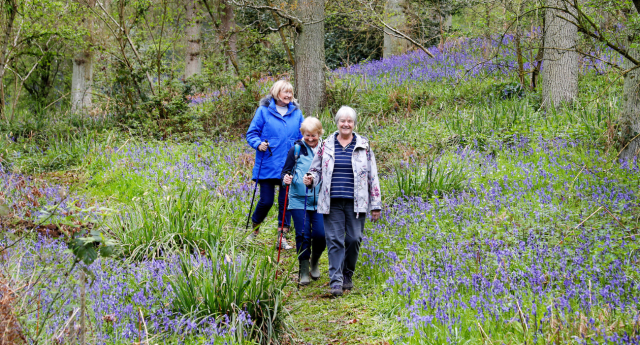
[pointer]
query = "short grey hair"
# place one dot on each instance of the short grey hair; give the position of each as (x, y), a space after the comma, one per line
(346, 111)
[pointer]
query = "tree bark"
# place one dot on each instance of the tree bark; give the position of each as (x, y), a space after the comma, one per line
(229, 28)
(538, 60)
(11, 11)
(82, 77)
(309, 51)
(630, 116)
(193, 65)
(394, 16)
(560, 66)
(81, 81)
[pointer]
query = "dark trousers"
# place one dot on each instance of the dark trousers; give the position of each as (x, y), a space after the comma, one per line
(343, 232)
(267, 194)
(310, 237)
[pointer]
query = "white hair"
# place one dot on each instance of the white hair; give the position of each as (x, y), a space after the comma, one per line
(346, 111)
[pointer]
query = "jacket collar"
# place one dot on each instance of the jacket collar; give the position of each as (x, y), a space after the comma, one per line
(270, 103)
(361, 142)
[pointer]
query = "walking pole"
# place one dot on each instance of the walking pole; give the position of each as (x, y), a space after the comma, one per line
(256, 187)
(286, 194)
(304, 218)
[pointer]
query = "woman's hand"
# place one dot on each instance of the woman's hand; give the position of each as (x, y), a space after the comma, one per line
(287, 179)
(375, 215)
(308, 179)
(263, 146)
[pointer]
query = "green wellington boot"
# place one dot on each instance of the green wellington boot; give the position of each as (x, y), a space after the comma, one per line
(304, 273)
(315, 269)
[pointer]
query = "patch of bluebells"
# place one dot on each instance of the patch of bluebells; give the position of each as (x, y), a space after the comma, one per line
(462, 58)
(117, 294)
(31, 198)
(165, 165)
(513, 243)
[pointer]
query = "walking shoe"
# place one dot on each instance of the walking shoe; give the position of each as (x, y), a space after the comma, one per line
(304, 273)
(347, 284)
(284, 244)
(315, 269)
(252, 236)
(336, 290)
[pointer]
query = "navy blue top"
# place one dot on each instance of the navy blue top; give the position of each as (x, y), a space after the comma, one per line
(342, 178)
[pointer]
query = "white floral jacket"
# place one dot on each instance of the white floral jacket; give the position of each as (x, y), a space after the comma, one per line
(365, 173)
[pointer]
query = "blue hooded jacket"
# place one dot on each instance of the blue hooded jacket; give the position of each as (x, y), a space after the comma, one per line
(298, 188)
(280, 131)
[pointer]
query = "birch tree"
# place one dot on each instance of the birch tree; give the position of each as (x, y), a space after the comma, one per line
(82, 77)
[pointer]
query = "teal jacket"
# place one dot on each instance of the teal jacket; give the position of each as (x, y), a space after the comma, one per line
(299, 167)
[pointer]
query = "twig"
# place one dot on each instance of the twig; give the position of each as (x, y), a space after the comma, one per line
(125, 143)
(52, 103)
(146, 332)
(614, 217)
(484, 334)
(522, 320)
(83, 281)
(577, 226)
(630, 141)
(574, 180)
(66, 324)
(591, 215)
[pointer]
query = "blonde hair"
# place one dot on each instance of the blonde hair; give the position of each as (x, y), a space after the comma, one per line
(279, 86)
(311, 125)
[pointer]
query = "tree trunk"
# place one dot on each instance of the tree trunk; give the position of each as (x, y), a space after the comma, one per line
(538, 60)
(309, 50)
(229, 28)
(81, 81)
(560, 66)
(192, 32)
(11, 11)
(394, 45)
(82, 77)
(630, 116)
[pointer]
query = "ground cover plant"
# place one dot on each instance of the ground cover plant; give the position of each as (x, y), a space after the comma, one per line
(503, 223)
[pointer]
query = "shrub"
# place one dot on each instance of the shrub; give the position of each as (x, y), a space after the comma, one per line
(227, 283)
(155, 226)
(432, 178)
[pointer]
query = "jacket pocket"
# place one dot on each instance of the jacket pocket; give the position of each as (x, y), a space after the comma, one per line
(273, 141)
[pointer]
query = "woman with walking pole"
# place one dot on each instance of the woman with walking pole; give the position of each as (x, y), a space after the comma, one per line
(272, 132)
(310, 240)
(346, 167)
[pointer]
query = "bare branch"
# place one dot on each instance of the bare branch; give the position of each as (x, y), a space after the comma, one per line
(277, 10)
(133, 47)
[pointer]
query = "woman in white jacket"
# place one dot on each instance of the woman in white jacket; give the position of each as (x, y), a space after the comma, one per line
(346, 167)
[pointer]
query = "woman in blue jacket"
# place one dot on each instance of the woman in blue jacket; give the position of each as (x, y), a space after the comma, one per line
(273, 130)
(310, 240)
